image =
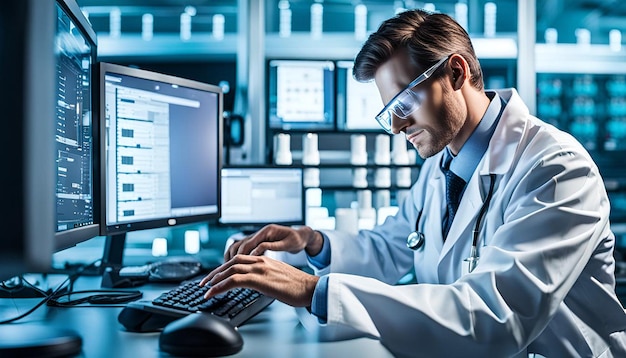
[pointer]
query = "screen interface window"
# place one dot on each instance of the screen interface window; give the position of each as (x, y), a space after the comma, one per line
(362, 101)
(262, 195)
(74, 146)
(161, 147)
(301, 94)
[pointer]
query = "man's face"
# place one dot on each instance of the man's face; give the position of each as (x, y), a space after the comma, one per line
(440, 115)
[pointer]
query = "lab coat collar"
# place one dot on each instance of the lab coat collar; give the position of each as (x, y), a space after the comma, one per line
(497, 160)
(507, 136)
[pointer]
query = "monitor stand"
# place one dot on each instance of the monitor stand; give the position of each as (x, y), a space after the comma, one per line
(32, 340)
(112, 259)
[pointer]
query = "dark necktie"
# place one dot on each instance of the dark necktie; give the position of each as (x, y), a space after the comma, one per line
(454, 188)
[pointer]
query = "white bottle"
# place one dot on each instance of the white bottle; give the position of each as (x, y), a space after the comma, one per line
(460, 14)
(383, 150)
(283, 149)
(491, 10)
(358, 149)
(317, 20)
(310, 152)
(360, 22)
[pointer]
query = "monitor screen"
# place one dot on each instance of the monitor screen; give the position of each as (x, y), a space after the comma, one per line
(255, 196)
(301, 95)
(162, 146)
(75, 127)
(357, 103)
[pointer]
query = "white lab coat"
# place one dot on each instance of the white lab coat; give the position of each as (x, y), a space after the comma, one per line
(544, 283)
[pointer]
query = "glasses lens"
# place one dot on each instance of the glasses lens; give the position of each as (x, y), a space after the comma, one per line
(405, 104)
(402, 106)
(384, 119)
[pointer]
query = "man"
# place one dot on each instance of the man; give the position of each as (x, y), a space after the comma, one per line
(537, 276)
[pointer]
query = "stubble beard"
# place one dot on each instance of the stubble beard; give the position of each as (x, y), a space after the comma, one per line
(449, 118)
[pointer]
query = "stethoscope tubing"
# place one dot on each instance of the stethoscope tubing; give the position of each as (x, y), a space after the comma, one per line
(483, 209)
(416, 239)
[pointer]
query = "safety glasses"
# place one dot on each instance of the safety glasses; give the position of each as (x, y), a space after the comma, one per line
(407, 101)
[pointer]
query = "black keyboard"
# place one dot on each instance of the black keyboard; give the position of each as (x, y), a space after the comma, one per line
(236, 306)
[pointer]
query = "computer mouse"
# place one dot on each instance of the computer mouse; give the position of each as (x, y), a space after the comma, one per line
(200, 334)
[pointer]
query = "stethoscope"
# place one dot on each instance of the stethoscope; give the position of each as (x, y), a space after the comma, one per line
(416, 239)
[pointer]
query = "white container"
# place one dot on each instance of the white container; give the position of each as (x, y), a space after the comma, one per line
(317, 20)
(358, 149)
(359, 177)
(491, 10)
(218, 26)
(192, 242)
(283, 149)
(383, 150)
(551, 36)
(583, 37)
(399, 152)
(347, 220)
(311, 178)
(313, 197)
(403, 177)
(382, 178)
(147, 27)
(284, 14)
(615, 40)
(364, 199)
(460, 14)
(310, 152)
(382, 198)
(360, 22)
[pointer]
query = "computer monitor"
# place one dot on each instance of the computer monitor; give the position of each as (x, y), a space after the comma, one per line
(255, 196)
(358, 103)
(27, 101)
(76, 128)
(47, 50)
(161, 149)
(301, 95)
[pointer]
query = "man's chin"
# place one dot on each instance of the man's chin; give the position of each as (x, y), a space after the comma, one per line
(421, 151)
(425, 151)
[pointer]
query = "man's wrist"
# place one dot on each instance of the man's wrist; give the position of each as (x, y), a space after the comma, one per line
(314, 239)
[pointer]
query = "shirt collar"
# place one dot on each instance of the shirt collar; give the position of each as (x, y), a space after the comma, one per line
(464, 164)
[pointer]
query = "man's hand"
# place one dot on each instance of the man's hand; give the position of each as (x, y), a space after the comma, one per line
(271, 277)
(277, 238)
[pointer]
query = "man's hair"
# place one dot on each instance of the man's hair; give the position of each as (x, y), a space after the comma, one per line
(426, 38)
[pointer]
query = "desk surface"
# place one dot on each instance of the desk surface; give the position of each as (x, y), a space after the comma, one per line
(275, 332)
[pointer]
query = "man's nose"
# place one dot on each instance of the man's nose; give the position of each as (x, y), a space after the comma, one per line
(397, 123)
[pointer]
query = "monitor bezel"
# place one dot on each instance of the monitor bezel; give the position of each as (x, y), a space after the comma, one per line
(122, 228)
(71, 237)
(253, 226)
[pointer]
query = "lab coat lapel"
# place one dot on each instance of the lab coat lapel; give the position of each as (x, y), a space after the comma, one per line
(434, 197)
(465, 215)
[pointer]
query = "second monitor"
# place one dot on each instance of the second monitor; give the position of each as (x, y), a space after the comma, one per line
(162, 149)
(255, 196)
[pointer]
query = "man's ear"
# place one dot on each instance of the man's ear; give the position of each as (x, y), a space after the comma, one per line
(460, 71)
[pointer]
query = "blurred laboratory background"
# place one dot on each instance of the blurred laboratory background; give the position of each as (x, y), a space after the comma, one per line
(565, 58)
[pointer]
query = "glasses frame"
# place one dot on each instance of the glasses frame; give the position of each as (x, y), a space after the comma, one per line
(384, 117)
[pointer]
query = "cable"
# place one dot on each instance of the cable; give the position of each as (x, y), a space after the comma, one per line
(101, 297)
(69, 280)
(19, 287)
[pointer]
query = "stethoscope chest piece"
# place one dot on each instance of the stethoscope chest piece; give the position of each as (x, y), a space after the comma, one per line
(415, 240)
